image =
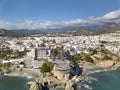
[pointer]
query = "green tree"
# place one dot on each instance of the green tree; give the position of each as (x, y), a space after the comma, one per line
(46, 67)
(54, 53)
(62, 53)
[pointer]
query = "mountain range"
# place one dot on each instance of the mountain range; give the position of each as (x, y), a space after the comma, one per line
(79, 30)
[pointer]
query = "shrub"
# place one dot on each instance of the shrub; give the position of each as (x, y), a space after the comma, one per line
(22, 63)
(88, 59)
(5, 65)
(94, 52)
(107, 57)
(76, 57)
(105, 51)
(46, 67)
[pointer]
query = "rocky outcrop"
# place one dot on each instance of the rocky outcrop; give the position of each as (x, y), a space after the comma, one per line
(77, 79)
(72, 84)
(1, 72)
(69, 85)
(34, 86)
(117, 64)
(4, 71)
(52, 81)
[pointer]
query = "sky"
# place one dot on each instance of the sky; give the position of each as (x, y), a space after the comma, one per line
(26, 13)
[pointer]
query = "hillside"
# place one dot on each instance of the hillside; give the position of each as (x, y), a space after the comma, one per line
(81, 30)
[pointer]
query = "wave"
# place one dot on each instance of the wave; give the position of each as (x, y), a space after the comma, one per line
(96, 71)
(26, 75)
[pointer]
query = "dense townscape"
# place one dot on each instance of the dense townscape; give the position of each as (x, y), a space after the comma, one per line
(59, 60)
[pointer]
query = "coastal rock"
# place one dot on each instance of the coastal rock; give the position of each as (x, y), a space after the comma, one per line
(1, 72)
(33, 86)
(51, 80)
(4, 71)
(69, 85)
(78, 79)
(117, 65)
(118, 68)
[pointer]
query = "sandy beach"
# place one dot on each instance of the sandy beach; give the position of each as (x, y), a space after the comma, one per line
(25, 72)
(93, 68)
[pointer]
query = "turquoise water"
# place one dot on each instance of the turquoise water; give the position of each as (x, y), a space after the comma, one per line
(13, 83)
(109, 80)
(16, 83)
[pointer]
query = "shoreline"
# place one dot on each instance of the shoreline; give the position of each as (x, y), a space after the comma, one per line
(17, 74)
(88, 79)
(94, 68)
(34, 73)
(100, 70)
(27, 73)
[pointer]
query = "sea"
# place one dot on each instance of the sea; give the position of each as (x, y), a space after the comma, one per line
(18, 82)
(106, 80)
(13, 83)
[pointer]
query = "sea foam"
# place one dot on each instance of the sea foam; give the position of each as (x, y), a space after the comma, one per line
(96, 71)
(28, 76)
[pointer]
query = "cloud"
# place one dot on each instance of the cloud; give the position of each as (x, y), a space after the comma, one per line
(113, 16)
(29, 24)
(77, 21)
(7, 25)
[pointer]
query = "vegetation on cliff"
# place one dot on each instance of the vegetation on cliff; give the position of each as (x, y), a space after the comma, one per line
(9, 53)
(46, 67)
(95, 55)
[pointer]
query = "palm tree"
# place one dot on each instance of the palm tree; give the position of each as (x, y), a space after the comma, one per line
(62, 53)
(54, 53)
